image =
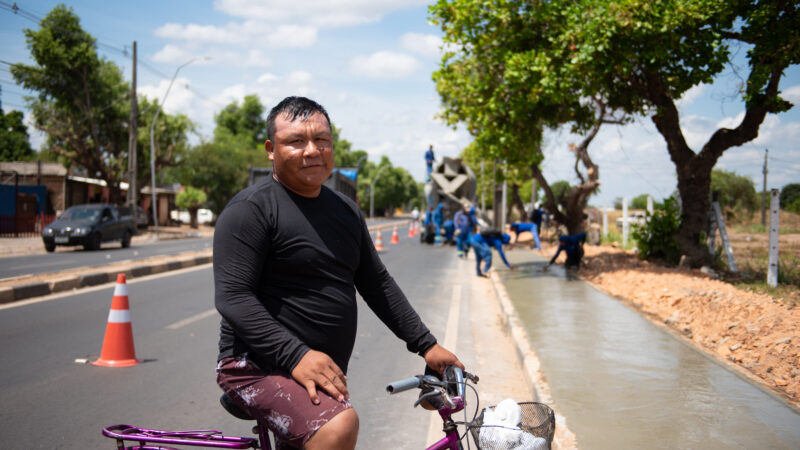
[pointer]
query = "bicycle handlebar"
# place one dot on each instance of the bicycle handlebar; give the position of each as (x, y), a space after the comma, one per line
(452, 375)
(404, 385)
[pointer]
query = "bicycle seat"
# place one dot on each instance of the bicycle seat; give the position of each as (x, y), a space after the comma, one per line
(233, 408)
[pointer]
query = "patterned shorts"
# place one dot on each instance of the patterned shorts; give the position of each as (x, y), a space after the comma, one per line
(276, 400)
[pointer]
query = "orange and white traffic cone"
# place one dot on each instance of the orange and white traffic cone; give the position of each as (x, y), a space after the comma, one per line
(411, 229)
(395, 237)
(379, 242)
(118, 344)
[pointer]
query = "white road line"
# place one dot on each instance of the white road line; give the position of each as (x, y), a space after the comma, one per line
(450, 341)
(194, 318)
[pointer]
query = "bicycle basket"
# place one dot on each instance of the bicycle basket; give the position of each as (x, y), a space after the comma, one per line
(538, 419)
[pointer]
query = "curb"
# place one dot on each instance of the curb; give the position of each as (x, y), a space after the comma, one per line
(59, 284)
(530, 362)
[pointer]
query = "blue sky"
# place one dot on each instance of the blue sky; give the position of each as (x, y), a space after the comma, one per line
(369, 62)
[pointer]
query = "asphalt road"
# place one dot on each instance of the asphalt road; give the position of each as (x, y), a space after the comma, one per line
(109, 253)
(49, 401)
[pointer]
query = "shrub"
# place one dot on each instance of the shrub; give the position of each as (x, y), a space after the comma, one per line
(656, 238)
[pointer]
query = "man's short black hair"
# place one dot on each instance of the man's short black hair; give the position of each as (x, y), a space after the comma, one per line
(294, 107)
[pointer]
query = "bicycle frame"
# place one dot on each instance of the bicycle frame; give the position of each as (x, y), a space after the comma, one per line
(451, 439)
(195, 438)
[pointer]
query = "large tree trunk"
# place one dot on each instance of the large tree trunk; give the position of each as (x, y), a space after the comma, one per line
(518, 202)
(573, 217)
(694, 169)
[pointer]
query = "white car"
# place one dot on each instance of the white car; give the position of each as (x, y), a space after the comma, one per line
(204, 216)
(634, 218)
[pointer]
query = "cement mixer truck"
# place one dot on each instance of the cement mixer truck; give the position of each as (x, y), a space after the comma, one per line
(453, 184)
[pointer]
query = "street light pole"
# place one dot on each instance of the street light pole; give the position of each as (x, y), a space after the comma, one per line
(152, 145)
(372, 192)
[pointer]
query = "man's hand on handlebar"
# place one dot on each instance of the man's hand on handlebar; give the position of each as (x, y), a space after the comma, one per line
(318, 369)
(438, 357)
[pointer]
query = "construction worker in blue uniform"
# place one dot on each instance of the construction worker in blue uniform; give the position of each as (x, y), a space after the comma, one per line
(429, 160)
(521, 227)
(573, 246)
(465, 225)
(449, 232)
(483, 243)
(438, 222)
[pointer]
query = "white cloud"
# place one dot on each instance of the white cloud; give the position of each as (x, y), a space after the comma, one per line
(792, 94)
(172, 54)
(178, 54)
(423, 44)
(730, 122)
(691, 95)
(324, 13)
(197, 33)
(384, 64)
(249, 32)
(179, 96)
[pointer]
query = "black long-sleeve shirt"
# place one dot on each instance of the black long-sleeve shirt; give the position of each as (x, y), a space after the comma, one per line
(286, 270)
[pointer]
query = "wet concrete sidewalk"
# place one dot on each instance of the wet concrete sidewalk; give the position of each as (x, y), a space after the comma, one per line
(623, 382)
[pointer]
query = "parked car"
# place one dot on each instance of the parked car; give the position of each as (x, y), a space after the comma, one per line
(204, 216)
(89, 225)
(140, 217)
(634, 218)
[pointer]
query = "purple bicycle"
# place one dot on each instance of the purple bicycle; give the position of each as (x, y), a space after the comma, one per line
(532, 428)
(446, 395)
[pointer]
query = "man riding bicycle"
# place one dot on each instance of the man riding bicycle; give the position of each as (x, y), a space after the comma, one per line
(289, 255)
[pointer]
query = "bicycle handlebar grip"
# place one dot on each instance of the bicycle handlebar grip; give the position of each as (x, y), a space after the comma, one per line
(403, 385)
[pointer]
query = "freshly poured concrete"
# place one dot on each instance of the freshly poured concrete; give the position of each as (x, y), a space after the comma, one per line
(623, 382)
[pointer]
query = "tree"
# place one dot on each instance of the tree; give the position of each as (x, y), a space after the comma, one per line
(191, 199)
(220, 167)
(639, 202)
(245, 120)
(395, 187)
(735, 193)
(171, 142)
(494, 83)
(82, 98)
(789, 195)
(14, 143)
(641, 56)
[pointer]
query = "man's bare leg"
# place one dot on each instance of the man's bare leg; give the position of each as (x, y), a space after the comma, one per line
(339, 433)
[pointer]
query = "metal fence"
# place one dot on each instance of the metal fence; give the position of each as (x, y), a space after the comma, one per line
(24, 226)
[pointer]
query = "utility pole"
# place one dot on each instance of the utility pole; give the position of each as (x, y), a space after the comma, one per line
(133, 189)
(764, 192)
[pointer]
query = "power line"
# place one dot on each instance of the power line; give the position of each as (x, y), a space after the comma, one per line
(120, 50)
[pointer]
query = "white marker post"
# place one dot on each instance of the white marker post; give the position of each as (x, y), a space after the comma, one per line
(624, 222)
(605, 221)
(774, 227)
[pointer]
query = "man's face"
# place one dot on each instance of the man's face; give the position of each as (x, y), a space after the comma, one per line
(301, 153)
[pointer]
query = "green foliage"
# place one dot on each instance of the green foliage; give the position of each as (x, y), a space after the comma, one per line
(794, 206)
(734, 192)
(639, 202)
(14, 143)
(220, 167)
(82, 98)
(656, 239)
(394, 188)
(343, 154)
(561, 190)
(789, 194)
(190, 198)
(170, 140)
(245, 120)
